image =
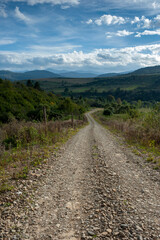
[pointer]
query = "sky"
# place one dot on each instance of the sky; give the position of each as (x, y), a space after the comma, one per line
(98, 36)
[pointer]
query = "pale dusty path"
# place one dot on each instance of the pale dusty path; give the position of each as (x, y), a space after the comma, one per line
(96, 189)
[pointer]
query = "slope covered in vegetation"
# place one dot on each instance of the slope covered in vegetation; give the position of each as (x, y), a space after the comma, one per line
(32, 124)
(138, 124)
(20, 102)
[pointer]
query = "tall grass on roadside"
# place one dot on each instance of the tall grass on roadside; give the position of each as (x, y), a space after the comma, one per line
(145, 129)
(24, 145)
(142, 129)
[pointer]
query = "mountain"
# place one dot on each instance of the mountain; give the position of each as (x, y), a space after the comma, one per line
(108, 75)
(147, 70)
(36, 74)
(40, 74)
(78, 75)
(112, 74)
(4, 74)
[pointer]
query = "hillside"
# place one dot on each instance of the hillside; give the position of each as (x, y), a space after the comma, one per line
(78, 75)
(129, 87)
(20, 102)
(147, 70)
(108, 75)
(126, 82)
(27, 75)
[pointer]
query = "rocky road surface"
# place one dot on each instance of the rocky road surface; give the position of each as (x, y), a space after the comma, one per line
(95, 189)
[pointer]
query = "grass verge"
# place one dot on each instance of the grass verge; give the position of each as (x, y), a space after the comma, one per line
(28, 145)
(140, 135)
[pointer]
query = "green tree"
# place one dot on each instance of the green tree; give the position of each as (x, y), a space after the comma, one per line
(37, 86)
(29, 83)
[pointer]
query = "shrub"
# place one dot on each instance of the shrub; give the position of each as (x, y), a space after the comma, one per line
(108, 111)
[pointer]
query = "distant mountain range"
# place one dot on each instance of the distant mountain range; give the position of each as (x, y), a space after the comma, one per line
(108, 75)
(27, 75)
(78, 75)
(41, 74)
(38, 74)
(112, 74)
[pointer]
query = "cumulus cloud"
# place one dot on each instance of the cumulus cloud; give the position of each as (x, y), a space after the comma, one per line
(120, 33)
(148, 32)
(110, 20)
(89, 21)
(142, 22)
(136, 20)
(124, 33)
(53, 2)
(155, 5)
(100, 58)
(21, 16)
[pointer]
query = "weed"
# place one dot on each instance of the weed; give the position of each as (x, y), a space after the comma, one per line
(141, 129)
(5, 187)
(7, 204)
(33, 144)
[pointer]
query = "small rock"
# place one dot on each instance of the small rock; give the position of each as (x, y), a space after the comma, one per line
(104, 234)
(140, 238)
(124, 226)
(139, 228)
(90, 233)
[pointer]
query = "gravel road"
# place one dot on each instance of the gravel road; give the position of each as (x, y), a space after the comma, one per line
(95, 189)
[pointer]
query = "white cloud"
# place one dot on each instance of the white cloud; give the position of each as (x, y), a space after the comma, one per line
(155, 5)
(142, 22)
(53, 49)
(110, 20)
(148, 32)
(100, 58)
(120, 33)
(7, 41)
(21, 16)
(136, 20)
(65, 7)
(89, 21)
(124, 33)
(53, 2)
(3, 11)
(146, 22)
(157, 18)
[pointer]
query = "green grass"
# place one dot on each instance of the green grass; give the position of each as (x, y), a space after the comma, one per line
(17, 162)
(134, 132)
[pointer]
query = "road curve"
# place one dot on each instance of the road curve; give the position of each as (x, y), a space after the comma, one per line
(96, 189)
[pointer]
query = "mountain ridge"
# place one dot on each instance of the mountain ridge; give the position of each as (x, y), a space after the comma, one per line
(36, 74)
(39, 74)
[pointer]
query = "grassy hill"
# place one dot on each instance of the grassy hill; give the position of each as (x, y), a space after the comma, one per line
(148, 70)
(134, 87)
(125, 82)
(20, 102)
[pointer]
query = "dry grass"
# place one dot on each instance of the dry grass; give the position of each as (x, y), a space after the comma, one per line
(143, 132)
(24, 145)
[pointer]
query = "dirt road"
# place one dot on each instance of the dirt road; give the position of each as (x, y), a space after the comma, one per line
(96, 189)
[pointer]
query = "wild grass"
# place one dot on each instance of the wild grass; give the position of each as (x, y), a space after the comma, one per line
(142, 131)
(25, 145)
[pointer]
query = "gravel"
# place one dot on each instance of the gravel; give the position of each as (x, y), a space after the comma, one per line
(93, 188)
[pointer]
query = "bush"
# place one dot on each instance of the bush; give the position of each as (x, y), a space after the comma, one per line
(108, 112)
(133, 113)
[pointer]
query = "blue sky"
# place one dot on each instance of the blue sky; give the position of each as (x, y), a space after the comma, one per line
(79, 35)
